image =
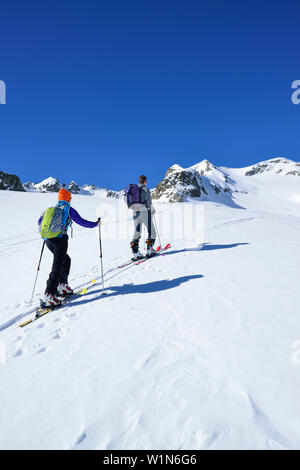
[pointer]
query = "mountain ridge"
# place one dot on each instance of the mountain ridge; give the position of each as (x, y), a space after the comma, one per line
(206, 181)
(203, 181)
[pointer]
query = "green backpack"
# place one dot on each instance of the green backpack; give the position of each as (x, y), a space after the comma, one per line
(51, 225)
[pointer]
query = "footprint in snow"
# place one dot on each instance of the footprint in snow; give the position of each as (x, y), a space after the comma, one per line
(18, 353)
(58, 334)
(80, 438)
(71, 315)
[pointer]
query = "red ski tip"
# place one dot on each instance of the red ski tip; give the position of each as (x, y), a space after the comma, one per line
(158, 248)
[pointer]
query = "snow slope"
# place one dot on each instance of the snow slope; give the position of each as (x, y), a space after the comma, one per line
(196, 349)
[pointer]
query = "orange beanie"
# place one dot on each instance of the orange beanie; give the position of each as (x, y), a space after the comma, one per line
(64, 195)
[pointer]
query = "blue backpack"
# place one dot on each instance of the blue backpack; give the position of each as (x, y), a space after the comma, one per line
(133, 194)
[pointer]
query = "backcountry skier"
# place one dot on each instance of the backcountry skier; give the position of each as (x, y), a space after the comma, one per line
(140, 202)
(53, 225)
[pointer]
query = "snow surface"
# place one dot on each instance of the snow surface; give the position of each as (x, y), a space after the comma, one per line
(196, 349)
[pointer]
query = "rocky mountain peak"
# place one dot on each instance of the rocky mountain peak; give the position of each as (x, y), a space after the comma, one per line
(10, 182)
(204, 167)
(74, 188)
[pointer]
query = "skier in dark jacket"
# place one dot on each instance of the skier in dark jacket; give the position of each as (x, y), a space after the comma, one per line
(57, 283)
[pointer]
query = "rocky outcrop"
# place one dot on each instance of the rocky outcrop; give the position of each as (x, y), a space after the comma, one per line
(279, 166)
(74, 188)
(10, 182)
(113, 194)
(257, 169)
(179, 185)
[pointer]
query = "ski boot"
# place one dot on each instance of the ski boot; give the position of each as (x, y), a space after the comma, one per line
(150, 251)
(64, 290)
(135, 250)
(136, 256)
(50, 301)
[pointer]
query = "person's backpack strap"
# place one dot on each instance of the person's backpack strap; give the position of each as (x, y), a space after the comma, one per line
(143, 195)
(66, 221)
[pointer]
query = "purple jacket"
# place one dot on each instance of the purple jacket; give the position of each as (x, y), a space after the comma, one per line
(79, 220)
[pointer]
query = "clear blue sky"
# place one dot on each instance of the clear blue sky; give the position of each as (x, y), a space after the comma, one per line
(101, 91)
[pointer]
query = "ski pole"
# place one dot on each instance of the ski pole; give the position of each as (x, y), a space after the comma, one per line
(157, 230)
(101, 256)
(38, 268)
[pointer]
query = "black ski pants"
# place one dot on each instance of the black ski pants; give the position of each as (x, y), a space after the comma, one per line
(61, 263)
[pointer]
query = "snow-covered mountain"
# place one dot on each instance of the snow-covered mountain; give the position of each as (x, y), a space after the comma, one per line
(53, 185)
(49, 184)
(205, 181)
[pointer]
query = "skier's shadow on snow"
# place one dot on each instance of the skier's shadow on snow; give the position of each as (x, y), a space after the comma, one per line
(205, 247)
(147, 288)
(208, 246)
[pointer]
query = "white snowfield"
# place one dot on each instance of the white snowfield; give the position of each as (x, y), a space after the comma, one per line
(196, 349)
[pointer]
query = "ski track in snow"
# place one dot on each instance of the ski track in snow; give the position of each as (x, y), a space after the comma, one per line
(190, 350)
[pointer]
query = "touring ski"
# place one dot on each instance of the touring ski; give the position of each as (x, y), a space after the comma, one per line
(40, 312)
(158, 252)
(127, 263)
(132, 261)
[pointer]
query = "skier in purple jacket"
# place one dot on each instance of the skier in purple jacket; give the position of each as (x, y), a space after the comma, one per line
(57, 283)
